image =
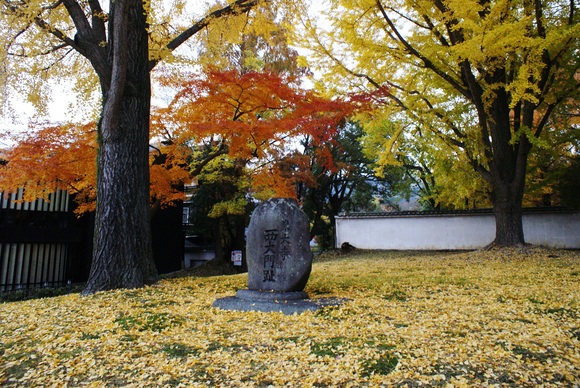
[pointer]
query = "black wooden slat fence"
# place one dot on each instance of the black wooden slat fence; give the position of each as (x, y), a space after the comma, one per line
(28, 265)
(42, 244)
(35, 241)
(57, 201)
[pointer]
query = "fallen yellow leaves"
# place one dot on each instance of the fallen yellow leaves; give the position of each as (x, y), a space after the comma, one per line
(493, 318)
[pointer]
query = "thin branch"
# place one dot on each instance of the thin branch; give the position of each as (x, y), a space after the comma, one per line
(426, 61)
(551, 107)
(433, 29)
(368, 78)
(14, 38)
(168, 134)
(407, 18)
(539, 18)
(222, 150)
(55, 32)
(447, 121)
(43, 25)
(52, 6)
(62, 57)
(98, 20)
(78, 17)
(236, 8)
(156, 149)
(47, 52)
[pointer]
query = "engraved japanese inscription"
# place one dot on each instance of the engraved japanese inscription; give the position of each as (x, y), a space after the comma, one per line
(278, 249)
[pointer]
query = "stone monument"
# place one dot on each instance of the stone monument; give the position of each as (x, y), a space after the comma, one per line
(278, 249)
(279, 261)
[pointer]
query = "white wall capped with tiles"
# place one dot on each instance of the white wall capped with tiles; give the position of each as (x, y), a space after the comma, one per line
(452, 231)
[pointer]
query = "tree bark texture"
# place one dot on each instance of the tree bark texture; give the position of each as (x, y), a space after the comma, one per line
(508, 182)
(508, 218)
(507, 172)
(118, 52)
(122, 255)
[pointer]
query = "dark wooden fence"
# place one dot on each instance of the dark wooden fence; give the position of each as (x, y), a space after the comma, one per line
(36, 241)
(42, 243)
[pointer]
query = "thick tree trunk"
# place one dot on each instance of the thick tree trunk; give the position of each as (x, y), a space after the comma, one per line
(122, 255)
(507, 209)
(507, 178)
(507, 169)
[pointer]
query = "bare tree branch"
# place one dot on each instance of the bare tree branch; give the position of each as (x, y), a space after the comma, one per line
(426, 61)
(119, 66)
(222, 150)
(236, 8)
(98, 21)
(56, 33)
(78, 17)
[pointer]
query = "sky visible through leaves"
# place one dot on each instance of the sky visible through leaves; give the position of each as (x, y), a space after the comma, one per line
(488, 318)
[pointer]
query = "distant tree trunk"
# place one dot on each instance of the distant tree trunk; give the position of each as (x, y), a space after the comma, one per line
(228, 234)
(508, 216)
(122, 255)
(219, 236)
(507, 172)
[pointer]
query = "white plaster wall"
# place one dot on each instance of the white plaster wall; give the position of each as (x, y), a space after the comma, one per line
(559, 230)
(555, 230)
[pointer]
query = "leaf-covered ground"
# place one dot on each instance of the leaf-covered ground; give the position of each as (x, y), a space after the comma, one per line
(490, 318)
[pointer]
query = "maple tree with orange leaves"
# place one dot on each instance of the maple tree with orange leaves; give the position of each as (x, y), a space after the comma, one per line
(54, 157)
(253, 118)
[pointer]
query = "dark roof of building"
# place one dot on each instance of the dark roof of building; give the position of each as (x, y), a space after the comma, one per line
(440, 213)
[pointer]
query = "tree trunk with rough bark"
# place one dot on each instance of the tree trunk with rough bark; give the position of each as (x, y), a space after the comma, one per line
(119, 54)
(507, 209)
(122, 255)
(507, 169)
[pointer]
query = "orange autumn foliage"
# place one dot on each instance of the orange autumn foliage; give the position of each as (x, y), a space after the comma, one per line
(54, 157)
(255, 118)
(64, 158)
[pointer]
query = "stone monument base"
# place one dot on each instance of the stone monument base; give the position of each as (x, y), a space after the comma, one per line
(268, 301)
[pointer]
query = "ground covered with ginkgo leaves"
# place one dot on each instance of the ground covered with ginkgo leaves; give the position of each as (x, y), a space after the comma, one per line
(487, 318)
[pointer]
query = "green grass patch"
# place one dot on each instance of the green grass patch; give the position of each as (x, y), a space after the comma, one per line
(148, 321)
(293, 339)
(562, 311)
(178, 350)
(332, 347)
(384, 365)
(37, 293)
(89, 336)
(398, 296)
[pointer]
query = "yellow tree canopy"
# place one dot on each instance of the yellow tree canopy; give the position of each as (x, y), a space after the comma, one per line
(476, 83)
(43, 42)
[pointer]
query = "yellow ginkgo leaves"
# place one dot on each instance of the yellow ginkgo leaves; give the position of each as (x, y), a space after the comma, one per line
(494, 318)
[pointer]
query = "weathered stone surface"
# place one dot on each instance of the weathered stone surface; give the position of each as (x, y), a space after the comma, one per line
(271, 295)
(279, 263)
(278, 250)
